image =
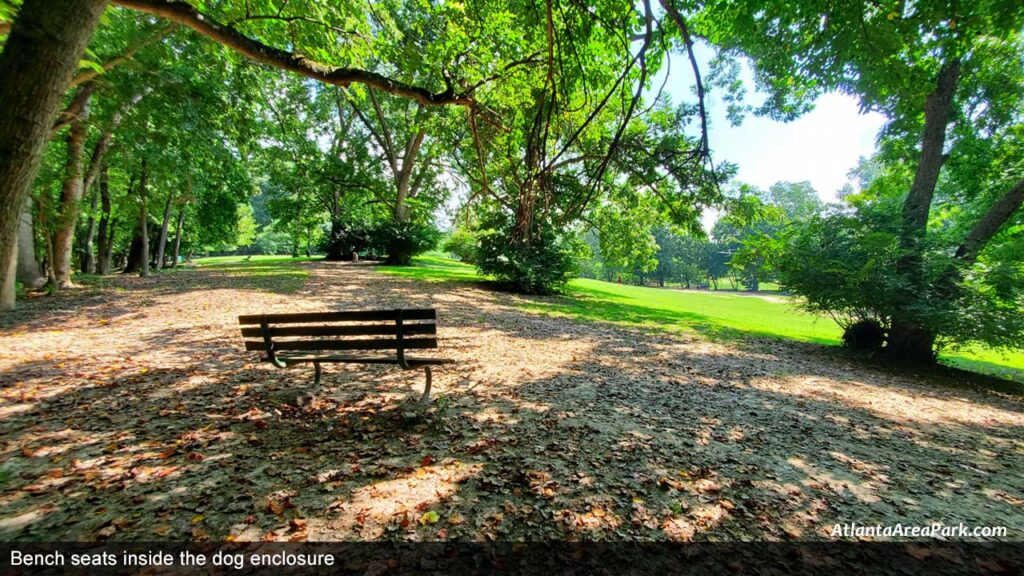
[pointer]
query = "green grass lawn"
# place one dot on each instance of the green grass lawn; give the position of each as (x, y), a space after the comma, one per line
(432, 268)
(719, 315)
(256, 260)
(275, 273)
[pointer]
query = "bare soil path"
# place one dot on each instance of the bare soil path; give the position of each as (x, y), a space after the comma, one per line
(131, 412)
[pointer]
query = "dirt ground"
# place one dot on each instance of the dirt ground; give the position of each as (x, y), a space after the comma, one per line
(132, 412)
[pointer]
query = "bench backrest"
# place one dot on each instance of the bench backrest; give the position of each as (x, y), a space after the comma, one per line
(391, 330)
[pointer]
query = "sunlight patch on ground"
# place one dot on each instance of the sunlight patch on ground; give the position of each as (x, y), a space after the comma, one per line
(924, 407)
(369, 510)
(864, 490)
(12, 524)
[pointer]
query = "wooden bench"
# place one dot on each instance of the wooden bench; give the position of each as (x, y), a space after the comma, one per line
(318, 337)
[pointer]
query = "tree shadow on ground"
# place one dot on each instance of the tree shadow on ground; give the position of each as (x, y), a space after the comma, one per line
(545, 428)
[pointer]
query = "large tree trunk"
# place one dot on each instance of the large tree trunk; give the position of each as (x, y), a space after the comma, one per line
(404, 177)
(909, 338)
(143, 223)
(910, 342)
(106, 232)
(39, 58)
(28, 265)
(938, 108)
(70, 200)
(133, 260)
(88, 255)
(177, 235)
(162, 240)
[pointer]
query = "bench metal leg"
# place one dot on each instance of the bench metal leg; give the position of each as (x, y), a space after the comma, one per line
(425, 399)
(317, 374)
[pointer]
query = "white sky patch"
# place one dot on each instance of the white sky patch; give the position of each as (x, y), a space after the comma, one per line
(820, 146)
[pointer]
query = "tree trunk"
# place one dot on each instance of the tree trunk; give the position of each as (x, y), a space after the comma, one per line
(70, 200)
(8, 288)
(106, 232)
(938, 107)
(28, 265)
(88, 256)
(143, 223)
(403, 179)
(334, 248)
(177, 236)
(133, 261)
(910, 342)
(908, 337)
(162, 240)
(39, 58)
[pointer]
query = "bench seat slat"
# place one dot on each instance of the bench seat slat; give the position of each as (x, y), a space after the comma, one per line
(352, 315)
(342, 330)
(374, 344)
(296, 358)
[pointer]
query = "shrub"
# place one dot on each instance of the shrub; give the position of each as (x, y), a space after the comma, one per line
(463, 244)
(864, 335)
(346, 240)
(400, 241)
(847, 266)
(541, 267)
(844, 266)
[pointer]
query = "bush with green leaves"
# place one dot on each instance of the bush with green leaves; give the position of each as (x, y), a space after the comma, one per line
(272, 241)
(846, 265)
(543, 266)
(346, 240)
(462, 243)
(398, 242)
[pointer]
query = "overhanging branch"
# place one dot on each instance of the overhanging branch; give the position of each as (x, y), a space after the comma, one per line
(680, 23)
(185, 14)
(991, 223)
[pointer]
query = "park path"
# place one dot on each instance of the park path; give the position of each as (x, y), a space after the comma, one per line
(131, 412)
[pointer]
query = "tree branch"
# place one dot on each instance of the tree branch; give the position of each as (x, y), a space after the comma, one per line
(688, 42)
(990, 224)
(389, 146)
(185, 14)
(87, 75)
(103, 144)
(75, 107)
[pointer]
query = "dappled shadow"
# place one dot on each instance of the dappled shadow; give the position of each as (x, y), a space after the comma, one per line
(157, 425)
(99, 298)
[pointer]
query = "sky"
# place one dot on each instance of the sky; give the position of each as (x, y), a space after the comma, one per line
(820, 147)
